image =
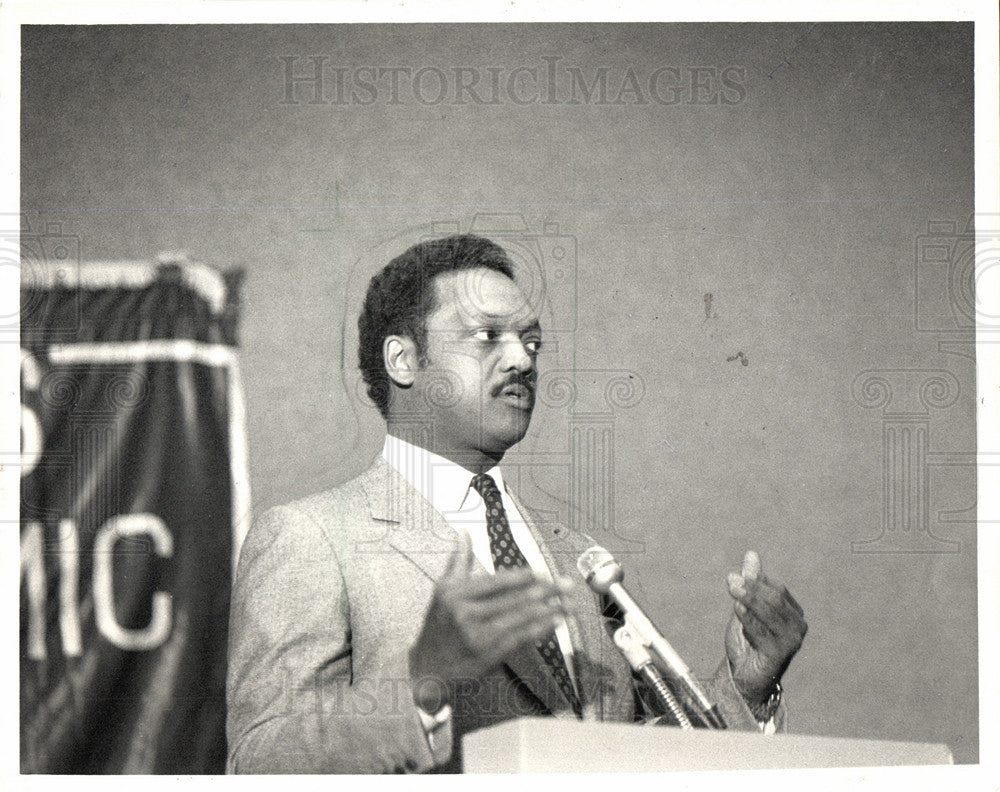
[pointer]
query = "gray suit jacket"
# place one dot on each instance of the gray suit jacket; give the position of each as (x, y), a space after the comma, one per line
(330, 593)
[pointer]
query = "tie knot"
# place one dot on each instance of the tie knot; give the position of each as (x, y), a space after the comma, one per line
(485, 486)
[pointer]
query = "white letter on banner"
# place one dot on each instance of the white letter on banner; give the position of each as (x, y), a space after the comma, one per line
(69, 574)
(121, 527)
(33, 563)
(31, 440)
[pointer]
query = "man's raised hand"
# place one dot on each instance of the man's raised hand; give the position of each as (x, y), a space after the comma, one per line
(475, 621)
(765, 632)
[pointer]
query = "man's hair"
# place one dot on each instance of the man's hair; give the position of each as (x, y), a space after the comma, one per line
(402, 295)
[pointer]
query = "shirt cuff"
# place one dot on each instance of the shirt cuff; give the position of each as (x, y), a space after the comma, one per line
(434, 724)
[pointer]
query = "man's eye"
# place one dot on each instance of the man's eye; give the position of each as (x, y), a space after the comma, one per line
(484, 334)
(533, 345)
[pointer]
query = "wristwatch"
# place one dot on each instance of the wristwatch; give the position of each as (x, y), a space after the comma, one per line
(765, 711)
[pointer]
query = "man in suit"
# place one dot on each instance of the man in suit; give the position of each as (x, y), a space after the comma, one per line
(375, 623)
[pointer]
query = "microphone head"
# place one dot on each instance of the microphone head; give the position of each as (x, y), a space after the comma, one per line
(599, 569)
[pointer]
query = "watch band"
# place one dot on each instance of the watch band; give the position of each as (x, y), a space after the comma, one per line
(765, 712)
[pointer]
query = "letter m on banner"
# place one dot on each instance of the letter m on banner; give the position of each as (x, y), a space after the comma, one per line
(134, 496)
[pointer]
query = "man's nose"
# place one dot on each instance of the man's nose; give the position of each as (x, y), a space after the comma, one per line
(516, 357)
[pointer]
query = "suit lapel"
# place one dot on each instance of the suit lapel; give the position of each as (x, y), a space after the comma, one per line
(413, 527)
(603, 680)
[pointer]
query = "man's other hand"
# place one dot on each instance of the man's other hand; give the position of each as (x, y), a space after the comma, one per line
(765, 632)
(475, 621)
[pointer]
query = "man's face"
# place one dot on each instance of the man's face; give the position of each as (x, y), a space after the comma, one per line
(482, 343)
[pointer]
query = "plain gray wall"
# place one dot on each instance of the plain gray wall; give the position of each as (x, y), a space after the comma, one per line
(797, 206)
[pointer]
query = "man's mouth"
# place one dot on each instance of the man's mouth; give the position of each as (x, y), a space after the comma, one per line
(518, 394)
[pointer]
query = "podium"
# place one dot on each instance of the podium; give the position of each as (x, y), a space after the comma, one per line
(552, 745)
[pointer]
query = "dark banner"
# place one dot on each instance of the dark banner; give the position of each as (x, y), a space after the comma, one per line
(133, 497)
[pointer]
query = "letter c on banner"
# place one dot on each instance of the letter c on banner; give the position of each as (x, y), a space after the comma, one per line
(122, 527)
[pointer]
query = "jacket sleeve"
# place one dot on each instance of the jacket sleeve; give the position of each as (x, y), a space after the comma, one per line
(721, 690)
(293, 703)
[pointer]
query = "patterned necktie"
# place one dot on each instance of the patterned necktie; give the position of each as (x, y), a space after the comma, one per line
(506, 554)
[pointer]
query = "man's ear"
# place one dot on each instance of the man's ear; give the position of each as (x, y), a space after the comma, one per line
(399, 354)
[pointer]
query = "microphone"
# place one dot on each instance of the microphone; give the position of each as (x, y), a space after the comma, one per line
(642, 663)
(604, 576)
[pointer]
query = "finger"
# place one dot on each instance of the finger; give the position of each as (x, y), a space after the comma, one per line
(521, 630)
(754, 630)
(536, 614)
(778, 633)
(486, 586)
(764, 591)
(512, 600)
(771, 618)
(783, 591)
(467, 555)
(462, 559)
(770, 622)
(775, 598)
(561, 582)
(793, 602)
(749, 570)
(751, 565)
(517, 630)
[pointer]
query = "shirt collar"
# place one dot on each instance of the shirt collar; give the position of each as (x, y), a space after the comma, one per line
(445, 484)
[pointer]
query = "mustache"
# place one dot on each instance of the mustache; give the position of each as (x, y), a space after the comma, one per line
(526, 380)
